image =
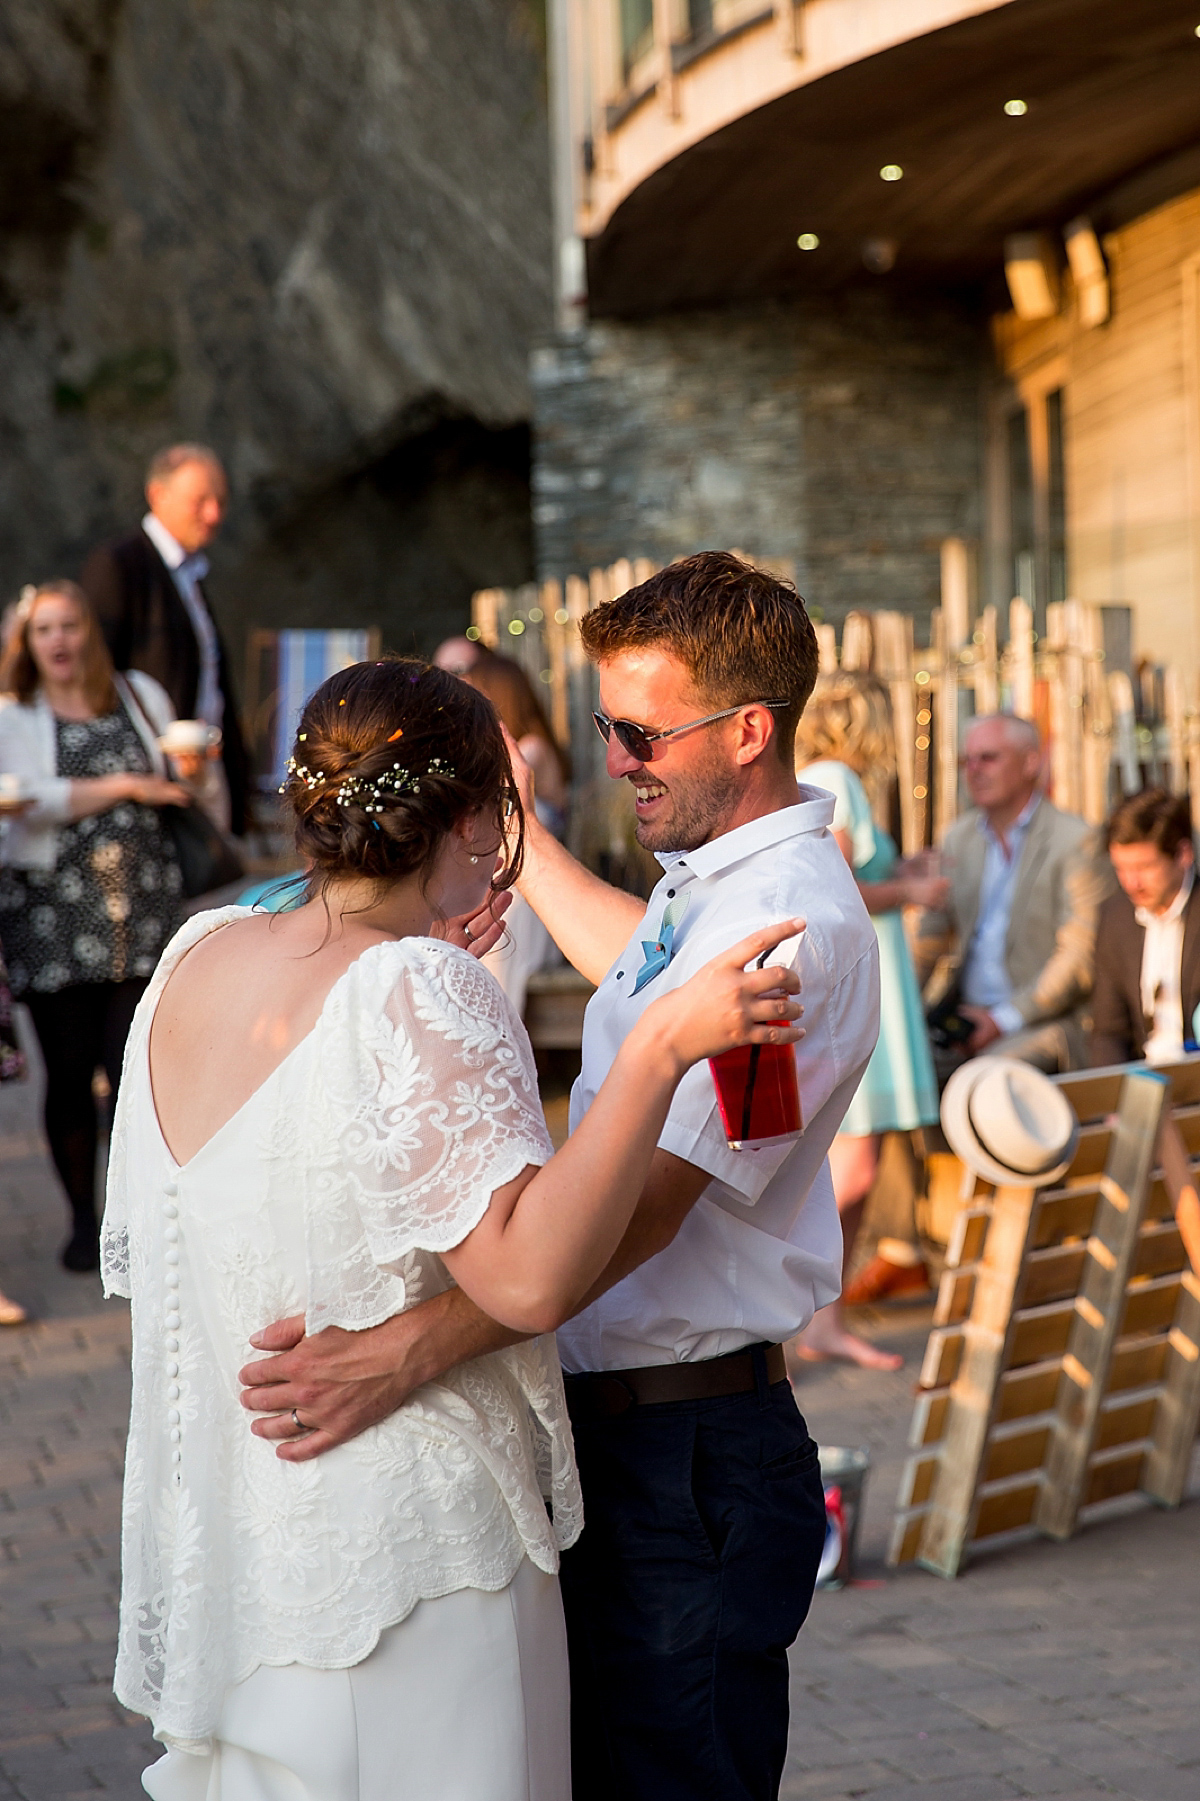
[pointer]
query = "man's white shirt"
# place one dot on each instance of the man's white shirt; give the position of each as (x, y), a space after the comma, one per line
(762, 1248)
(1162, 975)
(187, 572)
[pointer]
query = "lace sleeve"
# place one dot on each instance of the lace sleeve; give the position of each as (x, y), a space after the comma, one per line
(428, 1104)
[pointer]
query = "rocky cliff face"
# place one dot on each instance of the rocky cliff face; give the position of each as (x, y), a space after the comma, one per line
(313, 234)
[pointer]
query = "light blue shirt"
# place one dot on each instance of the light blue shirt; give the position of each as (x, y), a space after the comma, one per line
(985, 971)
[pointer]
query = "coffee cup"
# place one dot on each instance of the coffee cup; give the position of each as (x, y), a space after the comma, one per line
(189, 737)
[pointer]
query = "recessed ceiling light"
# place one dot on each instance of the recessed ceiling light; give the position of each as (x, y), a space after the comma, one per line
(891, 172)
(1198, 31)
(808, 240)
(1016, 109)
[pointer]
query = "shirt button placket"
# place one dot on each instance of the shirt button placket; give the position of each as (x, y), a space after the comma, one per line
(171, 1324)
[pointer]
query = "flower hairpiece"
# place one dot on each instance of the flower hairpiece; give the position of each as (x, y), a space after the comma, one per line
(369, 793)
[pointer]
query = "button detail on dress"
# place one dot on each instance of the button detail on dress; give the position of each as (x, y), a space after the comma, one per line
(170, 1209)
(172, 1278)
(171, 1188)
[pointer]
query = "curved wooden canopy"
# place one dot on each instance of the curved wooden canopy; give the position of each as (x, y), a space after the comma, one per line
(1112, 89)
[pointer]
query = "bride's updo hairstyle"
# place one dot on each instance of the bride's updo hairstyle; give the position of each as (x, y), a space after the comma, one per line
(389, 756)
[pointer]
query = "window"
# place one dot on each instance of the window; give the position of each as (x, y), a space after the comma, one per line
(637, 33)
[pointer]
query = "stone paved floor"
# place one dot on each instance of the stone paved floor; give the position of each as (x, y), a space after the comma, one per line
(1064, 1670)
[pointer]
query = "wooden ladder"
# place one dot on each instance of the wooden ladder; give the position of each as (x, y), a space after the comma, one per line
(1063, 1368)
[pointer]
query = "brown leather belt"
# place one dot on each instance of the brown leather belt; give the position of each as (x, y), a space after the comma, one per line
(612, 1392)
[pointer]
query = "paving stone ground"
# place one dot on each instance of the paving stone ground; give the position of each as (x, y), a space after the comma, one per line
(1058, 1670)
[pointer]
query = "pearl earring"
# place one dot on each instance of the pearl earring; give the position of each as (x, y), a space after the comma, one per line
(474, 859)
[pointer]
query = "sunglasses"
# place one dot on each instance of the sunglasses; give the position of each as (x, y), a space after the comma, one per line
(640, 743)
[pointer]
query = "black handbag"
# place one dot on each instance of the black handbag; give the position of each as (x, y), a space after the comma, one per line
(206, 858)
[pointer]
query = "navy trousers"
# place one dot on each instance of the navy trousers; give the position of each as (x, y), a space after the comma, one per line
(705, 1522)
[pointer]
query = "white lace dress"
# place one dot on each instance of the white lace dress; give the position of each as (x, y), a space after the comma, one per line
(377, 1143)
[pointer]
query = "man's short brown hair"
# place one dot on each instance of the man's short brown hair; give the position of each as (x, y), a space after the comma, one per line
(741, 634)
(1152, 817)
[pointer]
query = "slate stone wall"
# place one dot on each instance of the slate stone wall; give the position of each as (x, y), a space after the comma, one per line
(313, 234)
(841, 435)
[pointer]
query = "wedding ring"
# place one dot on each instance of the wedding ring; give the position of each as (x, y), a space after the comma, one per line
(299, 1423)
(468, 934)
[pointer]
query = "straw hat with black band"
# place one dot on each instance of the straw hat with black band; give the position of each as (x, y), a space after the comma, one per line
(1008, 1122)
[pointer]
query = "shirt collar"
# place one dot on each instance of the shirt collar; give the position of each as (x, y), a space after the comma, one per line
(1019, 824)
(169, 549)
(812, 812)
(1146, 918)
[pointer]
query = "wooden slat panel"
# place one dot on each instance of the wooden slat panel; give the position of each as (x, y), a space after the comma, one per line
(929, 1420)
(1136, 1362)
(1052, 1274)
(967, 1239)
(1126, 1422)
(1030, 1390)
(916, 1484)
(1065, 1215)
(1169, 1460)
(955, 1292)
(1007, 1509)
(906, 1538)
(1040, 1332)
(1116, 1473)
(1150, 1307)
(1160, 1250)
(943, 1353)
(1105, 1273)
(1159, 1205)
(948, 1522)
(1092, 1152)
(1016, 1452)
(1094, 1095)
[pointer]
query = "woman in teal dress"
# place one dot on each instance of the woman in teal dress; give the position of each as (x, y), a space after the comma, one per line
(844, 734)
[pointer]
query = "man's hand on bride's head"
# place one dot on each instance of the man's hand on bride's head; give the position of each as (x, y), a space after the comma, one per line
(479, 932)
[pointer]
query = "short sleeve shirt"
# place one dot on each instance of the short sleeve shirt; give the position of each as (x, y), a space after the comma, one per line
(761, 1250)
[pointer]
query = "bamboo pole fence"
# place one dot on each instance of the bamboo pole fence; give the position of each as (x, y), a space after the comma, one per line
(1110, 725)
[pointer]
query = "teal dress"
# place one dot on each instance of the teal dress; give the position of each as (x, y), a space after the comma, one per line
(899, 1090)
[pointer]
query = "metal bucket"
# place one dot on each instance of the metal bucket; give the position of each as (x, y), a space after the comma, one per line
(843, 1477)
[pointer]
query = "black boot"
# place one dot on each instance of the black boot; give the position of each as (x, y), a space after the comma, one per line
(81, 1252)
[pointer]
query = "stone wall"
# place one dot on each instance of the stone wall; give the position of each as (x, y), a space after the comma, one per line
(841, 435)
(315, 235)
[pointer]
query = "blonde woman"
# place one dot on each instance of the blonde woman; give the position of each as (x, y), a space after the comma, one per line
(89, 890)
(845, 735)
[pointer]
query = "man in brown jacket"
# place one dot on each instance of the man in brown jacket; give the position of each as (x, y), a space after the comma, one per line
(1148, 946)
(1026, 884)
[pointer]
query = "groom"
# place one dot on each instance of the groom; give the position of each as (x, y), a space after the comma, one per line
(704, 1512)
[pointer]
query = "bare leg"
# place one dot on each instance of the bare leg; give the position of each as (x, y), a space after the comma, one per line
(852, 1163)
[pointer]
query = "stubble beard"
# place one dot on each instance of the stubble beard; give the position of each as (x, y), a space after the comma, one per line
(700, 804)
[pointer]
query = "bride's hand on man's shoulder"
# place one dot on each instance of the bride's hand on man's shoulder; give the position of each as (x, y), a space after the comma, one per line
(726, 1004)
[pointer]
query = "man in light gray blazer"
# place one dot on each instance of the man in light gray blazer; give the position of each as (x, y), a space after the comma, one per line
(1026, 885)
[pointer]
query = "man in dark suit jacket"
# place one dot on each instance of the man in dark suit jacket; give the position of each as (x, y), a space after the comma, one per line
(149, 597)
(1147, 984)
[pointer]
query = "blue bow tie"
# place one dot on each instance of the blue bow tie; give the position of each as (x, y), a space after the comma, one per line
(660, 950)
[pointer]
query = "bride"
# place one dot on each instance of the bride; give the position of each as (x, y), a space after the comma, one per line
(335, 1111)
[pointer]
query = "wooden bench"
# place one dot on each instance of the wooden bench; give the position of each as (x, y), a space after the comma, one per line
(1063, 1368)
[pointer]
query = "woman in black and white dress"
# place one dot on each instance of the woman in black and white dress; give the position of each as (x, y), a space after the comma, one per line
(90, 885)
